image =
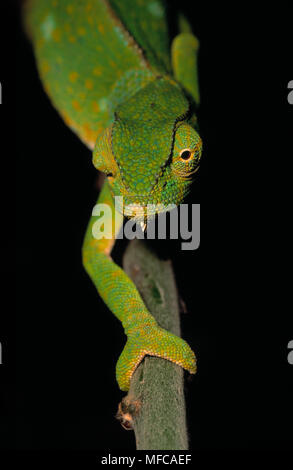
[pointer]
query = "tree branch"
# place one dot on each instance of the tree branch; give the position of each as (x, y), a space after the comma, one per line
(155, 405)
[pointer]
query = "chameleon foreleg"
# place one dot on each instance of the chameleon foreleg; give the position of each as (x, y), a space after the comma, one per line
(184, 52)
(144, 335)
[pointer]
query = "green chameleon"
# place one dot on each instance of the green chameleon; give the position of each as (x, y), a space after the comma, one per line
(107, 68)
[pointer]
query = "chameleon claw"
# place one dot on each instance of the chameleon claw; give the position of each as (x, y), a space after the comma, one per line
(152, 340)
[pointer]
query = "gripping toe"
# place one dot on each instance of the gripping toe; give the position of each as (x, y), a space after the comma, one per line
(153, 341)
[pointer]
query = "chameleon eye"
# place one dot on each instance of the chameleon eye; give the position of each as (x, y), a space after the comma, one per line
(185, 154)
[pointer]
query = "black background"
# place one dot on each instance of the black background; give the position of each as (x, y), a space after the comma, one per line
(60, 343)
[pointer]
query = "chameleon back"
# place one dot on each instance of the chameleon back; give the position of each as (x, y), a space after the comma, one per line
(88, 61)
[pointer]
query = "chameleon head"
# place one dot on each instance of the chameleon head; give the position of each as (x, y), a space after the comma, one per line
(148, 181)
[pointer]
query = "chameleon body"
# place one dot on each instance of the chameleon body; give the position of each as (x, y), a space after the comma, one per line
(108, 69)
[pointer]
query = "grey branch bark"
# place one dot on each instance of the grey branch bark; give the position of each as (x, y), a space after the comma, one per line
(155, 405)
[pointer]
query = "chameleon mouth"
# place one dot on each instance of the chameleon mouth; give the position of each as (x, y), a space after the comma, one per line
(134, 209)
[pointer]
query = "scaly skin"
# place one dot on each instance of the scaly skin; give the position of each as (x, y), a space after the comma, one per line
(107, 68)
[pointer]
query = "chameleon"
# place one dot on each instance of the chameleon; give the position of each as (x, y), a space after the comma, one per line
(130, 93)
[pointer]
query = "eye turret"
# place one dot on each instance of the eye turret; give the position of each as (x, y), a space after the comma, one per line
(187, 151)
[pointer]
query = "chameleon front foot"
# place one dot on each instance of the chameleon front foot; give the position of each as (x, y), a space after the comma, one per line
(153, 341)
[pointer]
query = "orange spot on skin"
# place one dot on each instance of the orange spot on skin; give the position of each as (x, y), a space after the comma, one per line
(72, 39)
(73, 76)
(67, 119)
(97, 71)
(96, 107)
(102, 246)
(115, 275)
(89, 84)
(81, 31)
(90, 20)
(88, 134)
(76, 105)
(56, 35)
(45, 67)
(101, 28)
(70, 9)
(89, 7)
